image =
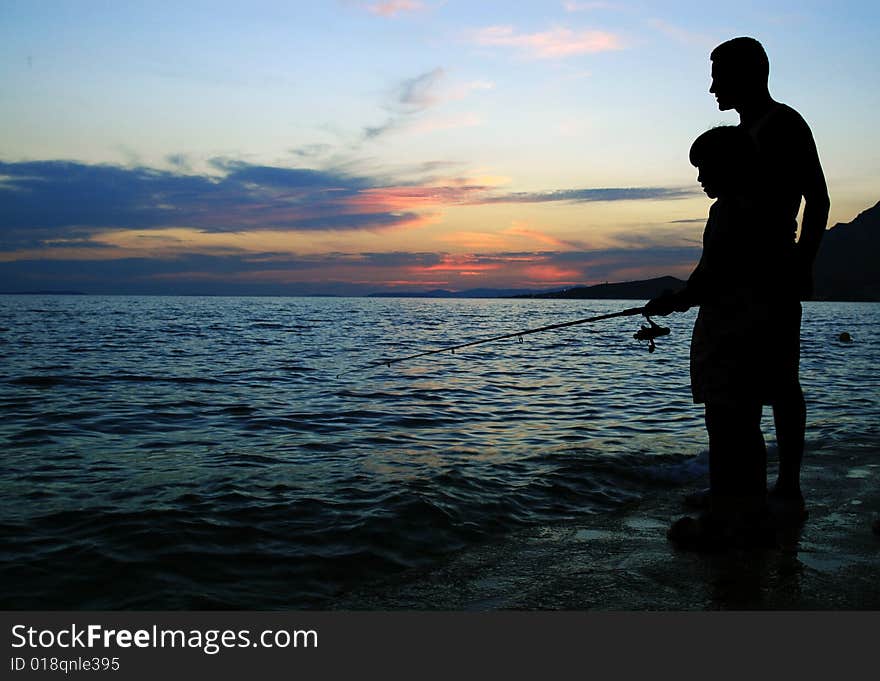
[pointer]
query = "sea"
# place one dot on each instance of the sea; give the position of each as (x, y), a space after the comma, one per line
(249, 453)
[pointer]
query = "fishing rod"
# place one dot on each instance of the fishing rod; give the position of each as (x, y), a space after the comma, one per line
(648, 333)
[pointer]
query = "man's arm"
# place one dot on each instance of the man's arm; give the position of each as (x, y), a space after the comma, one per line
(815, 220)
(816, 207)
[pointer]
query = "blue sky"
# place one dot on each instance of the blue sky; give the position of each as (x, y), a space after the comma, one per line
(397, 144)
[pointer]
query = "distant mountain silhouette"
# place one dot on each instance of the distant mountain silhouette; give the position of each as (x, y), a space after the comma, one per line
(634, 290)
(848, 264)
(628, 290)
(443, 293)
(47, 292)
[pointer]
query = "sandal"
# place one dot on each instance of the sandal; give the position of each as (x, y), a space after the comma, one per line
(711, 532)
(703, 533)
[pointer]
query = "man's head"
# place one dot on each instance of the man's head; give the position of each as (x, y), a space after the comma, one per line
(726, 159)
(740, 70)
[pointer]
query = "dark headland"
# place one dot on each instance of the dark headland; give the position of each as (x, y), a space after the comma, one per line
(627, 290)
(846, 268)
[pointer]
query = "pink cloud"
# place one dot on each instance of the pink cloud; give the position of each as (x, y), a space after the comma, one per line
(392, 7)
(415, 197)
(555, 43)
(460, 264)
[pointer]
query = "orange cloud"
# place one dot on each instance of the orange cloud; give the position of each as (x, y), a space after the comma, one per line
(405, 282)
(518, 236)
(552, 274)
(556, 43)
(458, 264)
(522, 229)
(478, 241)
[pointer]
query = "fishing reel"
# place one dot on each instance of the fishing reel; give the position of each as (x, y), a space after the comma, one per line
(649, 333)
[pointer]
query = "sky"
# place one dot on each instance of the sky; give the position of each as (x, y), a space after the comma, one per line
(348, 147)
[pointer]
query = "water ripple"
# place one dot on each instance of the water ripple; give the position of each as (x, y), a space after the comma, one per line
(201, 453)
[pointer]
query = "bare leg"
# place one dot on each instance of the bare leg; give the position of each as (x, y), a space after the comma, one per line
(790, 417)
(737, 457)
(738, 480)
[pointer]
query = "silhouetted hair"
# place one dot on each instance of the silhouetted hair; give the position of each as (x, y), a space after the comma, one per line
(727, 145)
(746, 55)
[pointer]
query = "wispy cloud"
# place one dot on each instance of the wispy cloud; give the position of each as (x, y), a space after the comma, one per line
(391, 8)
(179, 161)
(522, 229)
(312, 151)
(412, 97)
(407, 99)
(417, 94)
(519, 235)
(462, 90)
(373, 131)
(555, 43)
(598, 194)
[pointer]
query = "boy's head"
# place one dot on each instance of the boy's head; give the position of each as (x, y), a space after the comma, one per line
(726, 158)
(740, 71)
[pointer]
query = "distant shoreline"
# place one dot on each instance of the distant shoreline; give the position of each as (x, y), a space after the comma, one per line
(45, 293)
(644, 289)
(399, 296)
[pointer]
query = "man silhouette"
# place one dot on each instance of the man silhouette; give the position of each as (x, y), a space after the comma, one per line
(790, 170)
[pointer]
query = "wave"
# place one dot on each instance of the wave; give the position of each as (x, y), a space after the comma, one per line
(230, 468)
(50, 381)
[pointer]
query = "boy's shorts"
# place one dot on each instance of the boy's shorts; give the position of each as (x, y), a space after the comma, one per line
(745, 352)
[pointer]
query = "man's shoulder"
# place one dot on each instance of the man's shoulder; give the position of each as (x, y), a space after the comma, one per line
(788, 113)
(782, 125)
(785, 116)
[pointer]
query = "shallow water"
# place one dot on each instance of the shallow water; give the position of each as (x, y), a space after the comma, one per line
(163, 452)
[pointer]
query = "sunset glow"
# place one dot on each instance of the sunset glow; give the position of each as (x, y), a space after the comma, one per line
(421, 145)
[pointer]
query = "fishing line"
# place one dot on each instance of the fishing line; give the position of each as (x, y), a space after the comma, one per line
(648, 333)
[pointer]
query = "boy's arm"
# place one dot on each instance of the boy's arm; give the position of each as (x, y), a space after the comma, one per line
(695, 290)
(682, 300)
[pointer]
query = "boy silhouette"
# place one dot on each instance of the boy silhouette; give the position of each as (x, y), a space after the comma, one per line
(740, 352)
